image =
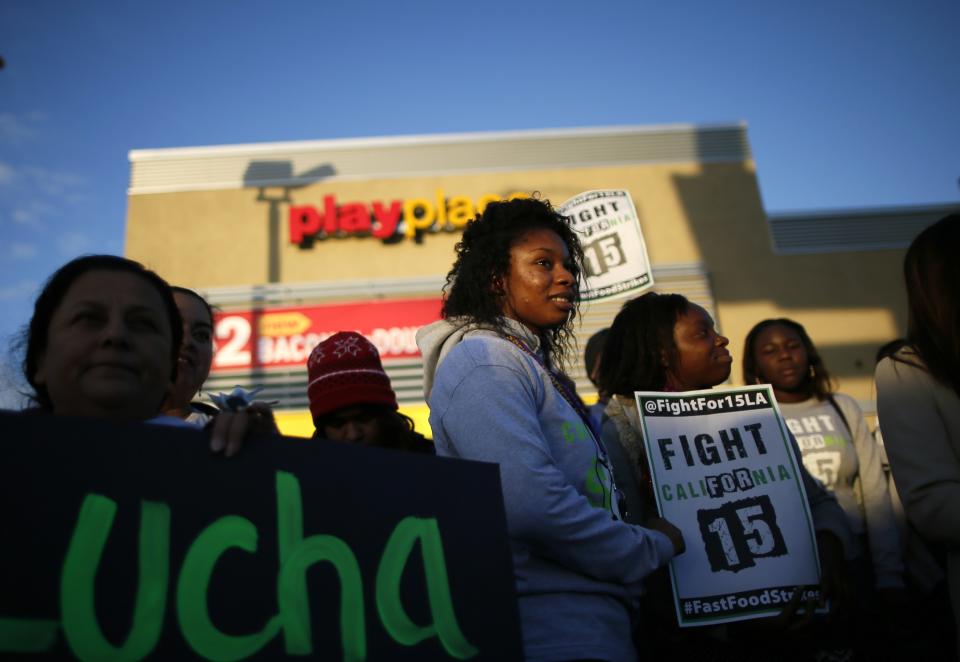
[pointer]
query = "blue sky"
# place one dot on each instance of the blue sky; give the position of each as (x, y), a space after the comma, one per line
(848, 104)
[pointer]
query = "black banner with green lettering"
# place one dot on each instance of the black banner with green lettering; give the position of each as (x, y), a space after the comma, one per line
(134, 541)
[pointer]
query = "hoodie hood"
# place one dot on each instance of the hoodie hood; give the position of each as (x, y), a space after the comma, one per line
(436, 340)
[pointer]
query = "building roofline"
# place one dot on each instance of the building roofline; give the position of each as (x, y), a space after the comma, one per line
(137, 155)
(853, 229)
(872, 211)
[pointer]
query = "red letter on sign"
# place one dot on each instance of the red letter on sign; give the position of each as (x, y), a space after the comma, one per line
(304, 222)
(354, 218)
(387, 219)
(331, 222)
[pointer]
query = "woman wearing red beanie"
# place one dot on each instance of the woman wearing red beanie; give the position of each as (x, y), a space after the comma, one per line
(351, 399)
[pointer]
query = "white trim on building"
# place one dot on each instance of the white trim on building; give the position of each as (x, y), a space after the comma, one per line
(306, 162)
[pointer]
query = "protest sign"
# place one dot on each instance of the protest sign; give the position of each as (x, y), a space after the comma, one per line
(133, 541)
(725, 473)
(615, 254)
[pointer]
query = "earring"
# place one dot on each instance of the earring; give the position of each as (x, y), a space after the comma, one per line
(813, 373)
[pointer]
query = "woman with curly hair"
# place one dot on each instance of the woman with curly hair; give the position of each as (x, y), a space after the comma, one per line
(497, 394)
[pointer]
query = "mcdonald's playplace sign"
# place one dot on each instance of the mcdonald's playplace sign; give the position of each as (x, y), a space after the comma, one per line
(390, 221)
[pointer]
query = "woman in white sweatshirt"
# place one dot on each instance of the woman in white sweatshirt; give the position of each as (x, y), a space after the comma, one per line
(837, 446)
(918, 395)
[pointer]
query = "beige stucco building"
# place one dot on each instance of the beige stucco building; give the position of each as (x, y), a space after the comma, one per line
(317, 229)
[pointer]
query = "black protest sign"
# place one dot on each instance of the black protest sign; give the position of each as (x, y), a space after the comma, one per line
(129, 541)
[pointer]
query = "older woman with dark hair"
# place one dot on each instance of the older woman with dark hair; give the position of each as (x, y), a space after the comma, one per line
(104, 342)
(918, 395)
(497, 394)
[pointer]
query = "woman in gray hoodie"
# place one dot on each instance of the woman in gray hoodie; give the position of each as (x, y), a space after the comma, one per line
(497, 393)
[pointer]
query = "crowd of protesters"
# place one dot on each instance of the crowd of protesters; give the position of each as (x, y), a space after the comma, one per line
(110, 339)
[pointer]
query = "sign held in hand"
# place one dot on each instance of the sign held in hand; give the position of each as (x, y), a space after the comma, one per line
(615, 254)
(725, 473)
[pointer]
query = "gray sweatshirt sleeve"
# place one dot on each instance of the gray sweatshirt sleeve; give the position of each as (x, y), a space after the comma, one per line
(882, 532)
(922, 456)
(492, 416)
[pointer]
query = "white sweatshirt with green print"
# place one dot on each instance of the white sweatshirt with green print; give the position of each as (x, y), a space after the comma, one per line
(838, 457)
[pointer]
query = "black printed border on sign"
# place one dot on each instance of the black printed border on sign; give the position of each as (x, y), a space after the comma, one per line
(740, 605)
(675, 406)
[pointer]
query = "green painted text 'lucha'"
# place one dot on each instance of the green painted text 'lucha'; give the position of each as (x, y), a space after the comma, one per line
(296, 554)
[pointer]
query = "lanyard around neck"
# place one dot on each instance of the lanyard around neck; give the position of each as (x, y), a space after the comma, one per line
(562, 388)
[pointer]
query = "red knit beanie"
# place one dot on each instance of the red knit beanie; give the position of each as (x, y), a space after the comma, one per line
(345, 370)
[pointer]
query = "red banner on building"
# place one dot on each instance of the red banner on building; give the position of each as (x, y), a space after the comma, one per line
(284, 337)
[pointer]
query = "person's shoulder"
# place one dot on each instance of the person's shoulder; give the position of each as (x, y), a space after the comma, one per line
(798, 408)
(204, 408)
(417, 443)
(616, 408)
(847, 402)
(620, 414)
(490, 349)
(494, 361)
(904, 365)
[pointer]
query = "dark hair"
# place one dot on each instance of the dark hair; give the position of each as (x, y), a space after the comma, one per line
(817, 380)
(483, 255)
(396, 429)
(56, 289)
(931, 270)
(888, 349)
(400, 427)
(593, 351)
(196, 295)
(641, 336)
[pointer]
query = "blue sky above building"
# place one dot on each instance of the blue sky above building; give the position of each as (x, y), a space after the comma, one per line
(848, 104)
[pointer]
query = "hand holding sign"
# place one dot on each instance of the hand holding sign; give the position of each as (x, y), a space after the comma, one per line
(670, 531)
